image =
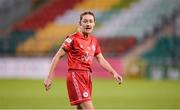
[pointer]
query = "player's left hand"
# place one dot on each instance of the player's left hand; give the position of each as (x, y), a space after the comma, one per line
(47, 84)
(118, 78)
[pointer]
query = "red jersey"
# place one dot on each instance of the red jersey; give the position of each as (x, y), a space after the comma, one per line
(81, 51)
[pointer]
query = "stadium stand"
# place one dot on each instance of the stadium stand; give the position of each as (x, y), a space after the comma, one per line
(44, 39)
(165, 48)
(163, 58)
(63, 25)
(123, 27)
(116, 19)
(100, 5)
(45, 14)
(38, 22)
(11, 11)
(117, 45)
(137, 19)
(8, 44)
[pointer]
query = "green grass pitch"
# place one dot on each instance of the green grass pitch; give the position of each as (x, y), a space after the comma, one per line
(107, 94)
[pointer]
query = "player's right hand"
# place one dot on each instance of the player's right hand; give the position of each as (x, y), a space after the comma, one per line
(47, 84)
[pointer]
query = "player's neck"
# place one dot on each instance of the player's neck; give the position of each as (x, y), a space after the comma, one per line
(85, 35)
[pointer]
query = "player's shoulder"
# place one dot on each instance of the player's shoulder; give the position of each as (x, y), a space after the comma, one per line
(71, 37)
(94, 37)
(74, 36)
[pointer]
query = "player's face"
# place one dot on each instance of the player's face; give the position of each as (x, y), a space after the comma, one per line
(87, 24)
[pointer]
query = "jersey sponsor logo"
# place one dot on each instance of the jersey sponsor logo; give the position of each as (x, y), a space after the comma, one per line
(85, 94)
(87, 57)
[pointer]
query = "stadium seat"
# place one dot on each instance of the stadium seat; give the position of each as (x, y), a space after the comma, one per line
(164, 49)
(45, 14)
(138, 18)
(46, 38)
(114, 19)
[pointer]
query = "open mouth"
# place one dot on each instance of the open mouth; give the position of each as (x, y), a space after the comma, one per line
(88, 28)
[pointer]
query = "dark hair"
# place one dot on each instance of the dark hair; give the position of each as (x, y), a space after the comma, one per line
(87, 13)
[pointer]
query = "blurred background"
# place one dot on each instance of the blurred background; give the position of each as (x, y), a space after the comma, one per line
(140, 39)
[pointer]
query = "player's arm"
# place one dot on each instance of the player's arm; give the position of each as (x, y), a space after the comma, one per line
(56, 58)
(102, 61)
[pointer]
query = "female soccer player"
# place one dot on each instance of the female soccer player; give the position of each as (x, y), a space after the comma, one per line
(81, 47)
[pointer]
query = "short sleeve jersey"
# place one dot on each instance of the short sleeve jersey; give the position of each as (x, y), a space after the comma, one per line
(81, 51)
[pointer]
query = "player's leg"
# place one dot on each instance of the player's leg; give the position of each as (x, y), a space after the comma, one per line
(78, 91)
(86, 105)
(79, 107)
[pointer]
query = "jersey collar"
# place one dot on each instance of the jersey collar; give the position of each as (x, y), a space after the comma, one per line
(82, 37)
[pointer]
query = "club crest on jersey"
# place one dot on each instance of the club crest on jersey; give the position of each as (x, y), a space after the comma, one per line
(85, 94)
(68, 40)
(93, 47)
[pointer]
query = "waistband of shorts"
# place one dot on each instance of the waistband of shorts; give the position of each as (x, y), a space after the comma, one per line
(79, 70)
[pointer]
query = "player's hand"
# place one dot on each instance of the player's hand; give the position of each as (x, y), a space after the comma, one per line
(118, 78)
(47, 84)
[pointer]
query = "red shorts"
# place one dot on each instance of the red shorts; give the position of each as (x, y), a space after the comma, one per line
(79, 85)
